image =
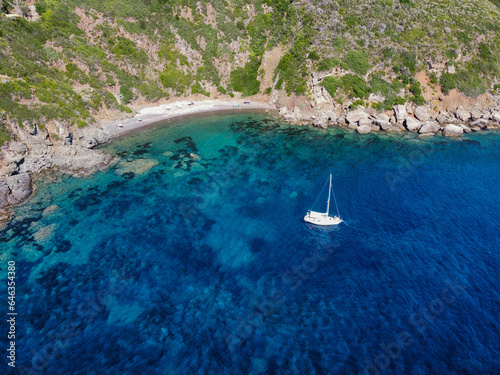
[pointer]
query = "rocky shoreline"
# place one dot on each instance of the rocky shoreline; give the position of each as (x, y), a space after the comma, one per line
(35, 151)
(417, 119)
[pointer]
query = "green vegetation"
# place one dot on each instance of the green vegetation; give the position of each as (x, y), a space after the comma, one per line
(328, 64)
(4, 134)
(52, 69)
(245, 80)
(292, 69)
(175, 79)
(357, 62)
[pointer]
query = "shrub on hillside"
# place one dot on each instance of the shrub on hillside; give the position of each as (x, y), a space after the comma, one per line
(245, 80)
(447, 82)
(357, 62)
(328, 64)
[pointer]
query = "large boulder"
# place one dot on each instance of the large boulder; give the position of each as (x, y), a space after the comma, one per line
(481, 123)
(495, 116)
(90, 136)
(462, 114)
(356, 115)
(79, 160)
(451, 130)
(13, 157)
(14, 189)
(422, 114)
(400, 113)
(442, 118)
(412, 124)
(321, 120)
(429, 127)
(382, 116)
(364, 129)
(364, 121)
(384, 125)
(476, 113)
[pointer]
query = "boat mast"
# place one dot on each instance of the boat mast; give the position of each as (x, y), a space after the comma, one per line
(329, 192)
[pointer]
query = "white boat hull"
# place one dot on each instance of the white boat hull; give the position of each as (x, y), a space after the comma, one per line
(319, 218)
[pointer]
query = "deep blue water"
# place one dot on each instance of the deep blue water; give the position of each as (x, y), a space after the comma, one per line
(190, 256)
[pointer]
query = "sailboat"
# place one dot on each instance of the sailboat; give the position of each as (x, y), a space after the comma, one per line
(320, 218)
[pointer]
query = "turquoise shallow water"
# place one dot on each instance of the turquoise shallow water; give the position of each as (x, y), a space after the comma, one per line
(190, 255)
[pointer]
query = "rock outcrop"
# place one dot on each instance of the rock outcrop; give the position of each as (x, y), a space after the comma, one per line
(356, 115)
(421, 114)
(364, 129)
(462, 114)
(35, 152)
(429, 128)
(14, 189)
(400, 112)
(412, 124)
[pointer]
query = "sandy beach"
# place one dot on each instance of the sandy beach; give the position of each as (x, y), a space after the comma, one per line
(154, 115)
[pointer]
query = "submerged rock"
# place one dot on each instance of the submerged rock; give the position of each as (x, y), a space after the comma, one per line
(137, 167)
(50, 210)
(45, 234)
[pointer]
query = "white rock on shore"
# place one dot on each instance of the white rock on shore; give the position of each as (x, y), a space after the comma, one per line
(429, 128)
(462, 114)
(451, 130)
(421, 114)
(356, 115)
(412, 124)
(400, 113)
(14, 189)
(364, 129)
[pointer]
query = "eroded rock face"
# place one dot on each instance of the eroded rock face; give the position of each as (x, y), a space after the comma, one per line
(364, 129)
(462, 114)
(14, 189)
(35, 152)
(495, 116)
(443, 119)
(400, 113)
(90, 137)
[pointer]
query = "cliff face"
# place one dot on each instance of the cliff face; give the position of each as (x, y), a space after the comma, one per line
(68, 65)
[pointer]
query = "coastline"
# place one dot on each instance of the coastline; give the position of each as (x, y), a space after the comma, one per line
(74, 151)
(150, 116)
